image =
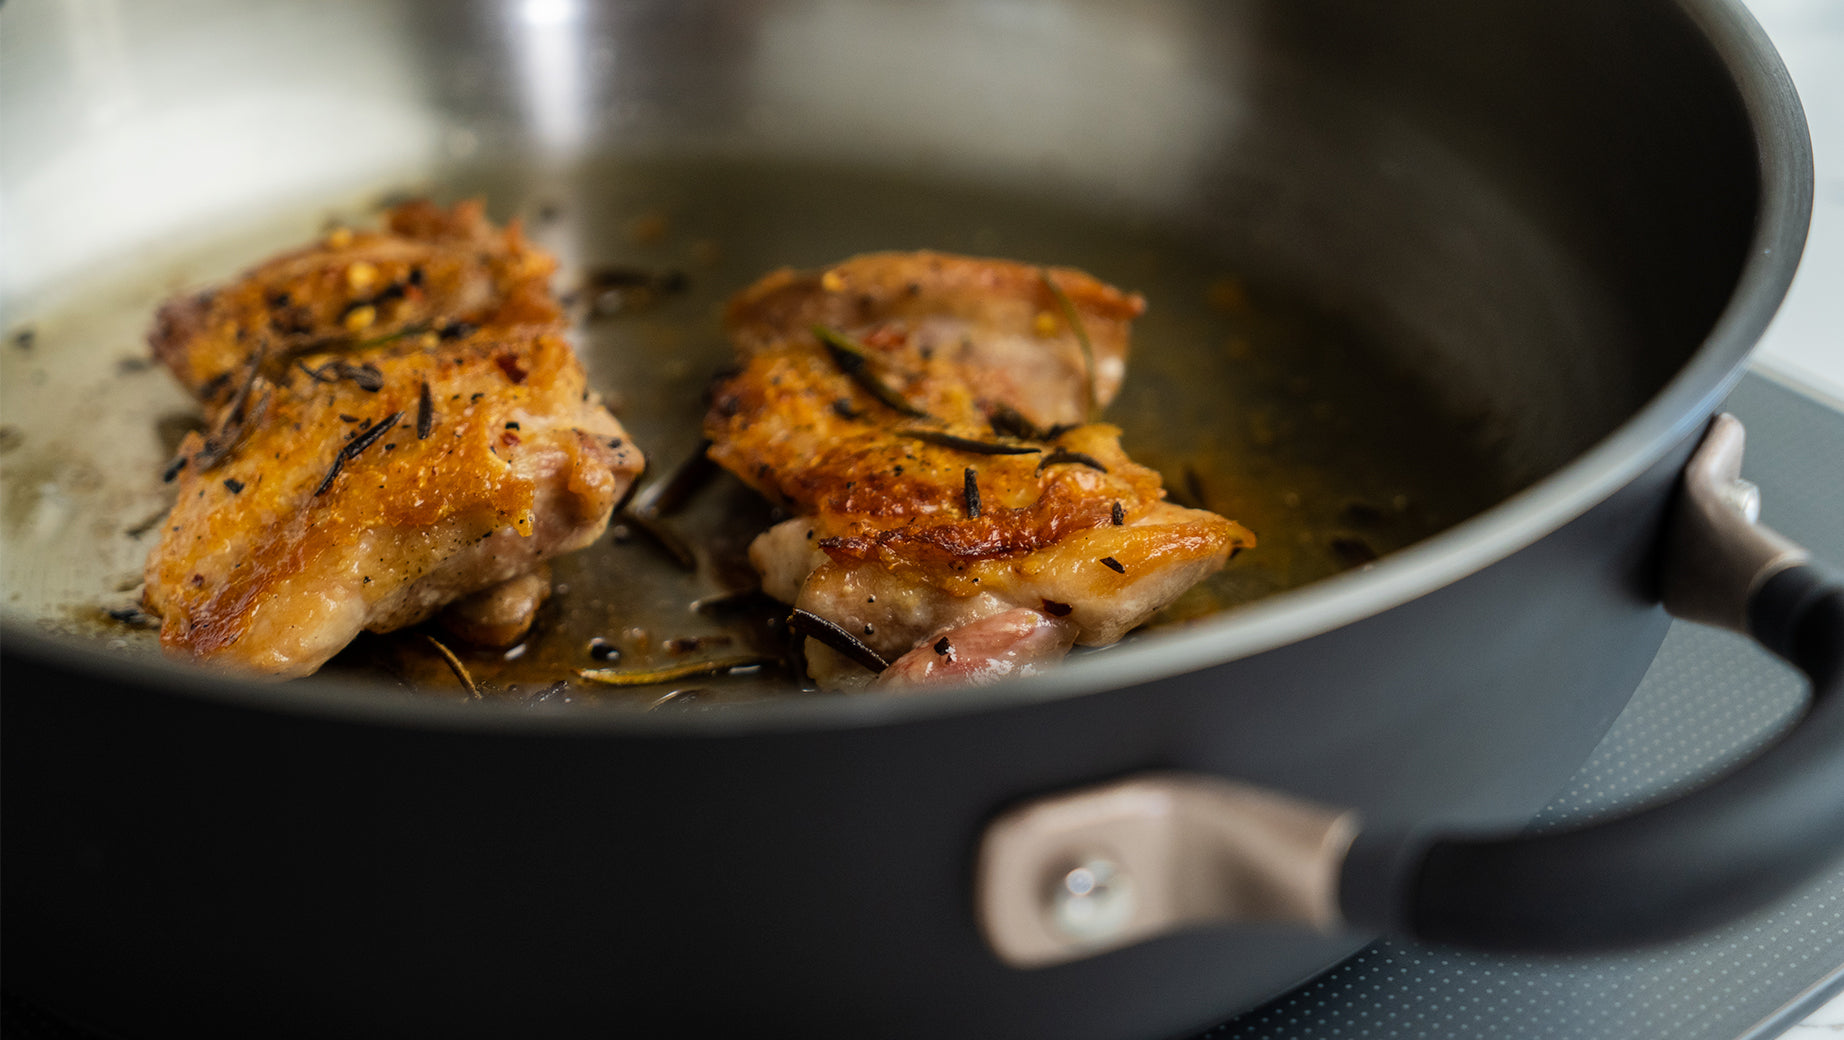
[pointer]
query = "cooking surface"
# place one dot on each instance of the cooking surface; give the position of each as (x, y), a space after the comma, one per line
(1709, 698)
(1260, 401)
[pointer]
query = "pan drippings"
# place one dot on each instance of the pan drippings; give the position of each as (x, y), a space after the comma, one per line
(1255, 400)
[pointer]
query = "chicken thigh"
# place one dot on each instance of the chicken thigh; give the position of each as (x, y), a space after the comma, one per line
(926, 418)
(397, 423)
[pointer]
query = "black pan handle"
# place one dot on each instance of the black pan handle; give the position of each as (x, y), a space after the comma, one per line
(1702, 858)
(1078, 873)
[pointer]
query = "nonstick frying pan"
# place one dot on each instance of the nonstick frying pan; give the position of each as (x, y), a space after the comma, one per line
(1567, 222)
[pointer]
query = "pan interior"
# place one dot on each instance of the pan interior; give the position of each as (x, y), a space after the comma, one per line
(1389, 287)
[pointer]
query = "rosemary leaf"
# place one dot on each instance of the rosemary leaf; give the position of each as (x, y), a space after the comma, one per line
(673, 673)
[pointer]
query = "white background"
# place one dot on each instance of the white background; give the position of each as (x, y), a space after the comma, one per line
(1806, 340)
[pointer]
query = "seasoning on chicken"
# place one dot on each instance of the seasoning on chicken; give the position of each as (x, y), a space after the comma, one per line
(926, 417)
(397, 423)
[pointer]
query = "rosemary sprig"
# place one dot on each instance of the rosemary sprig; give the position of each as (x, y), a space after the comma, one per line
(354, 446)
(854, 361)
(239, 417)
(948, 440)
(1006, 421)
(672, 673)
(366, 376)
(808, 623)
(1082, 340)
(665, 497)
(455, 666)
(665, 537)
(1061, 456)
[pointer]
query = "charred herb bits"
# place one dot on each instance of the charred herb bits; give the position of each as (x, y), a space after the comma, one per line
(354, 447)
(813, 626)
(854, 360)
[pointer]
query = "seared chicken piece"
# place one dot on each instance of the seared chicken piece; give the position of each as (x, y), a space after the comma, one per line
(357, 479)
(923, 415)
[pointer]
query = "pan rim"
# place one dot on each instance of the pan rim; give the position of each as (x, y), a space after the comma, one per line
(1784, 160)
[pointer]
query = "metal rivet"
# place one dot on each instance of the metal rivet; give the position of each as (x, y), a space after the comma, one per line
(1744, 497)
(1092, 901)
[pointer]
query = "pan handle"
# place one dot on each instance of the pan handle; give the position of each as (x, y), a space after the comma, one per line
(1072, 875)
(1702, 858)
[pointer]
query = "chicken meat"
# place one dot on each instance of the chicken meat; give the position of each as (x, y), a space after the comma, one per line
(397, 422)
(927, 419)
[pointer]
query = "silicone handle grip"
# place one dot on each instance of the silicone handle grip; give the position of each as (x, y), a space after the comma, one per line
(1664, 872)
(1700, 859)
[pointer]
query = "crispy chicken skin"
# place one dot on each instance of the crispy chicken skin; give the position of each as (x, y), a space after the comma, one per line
(430, 268)
(376, 477)
(903, 539)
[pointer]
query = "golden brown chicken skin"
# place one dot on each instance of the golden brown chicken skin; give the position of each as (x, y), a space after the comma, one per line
(923, 415)
(373, 480)
(430, 268)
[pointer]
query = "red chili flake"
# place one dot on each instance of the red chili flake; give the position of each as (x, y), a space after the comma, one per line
(510, 365)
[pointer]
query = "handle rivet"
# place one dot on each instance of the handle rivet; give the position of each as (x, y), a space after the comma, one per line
(1092, 901)
(1744, 497)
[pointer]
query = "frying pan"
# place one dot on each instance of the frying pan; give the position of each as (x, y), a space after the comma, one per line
(1575, 218)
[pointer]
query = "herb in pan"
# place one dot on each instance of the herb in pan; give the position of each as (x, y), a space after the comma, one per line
(365, 376)
(238, 418)
(1114, 565)
(730, 602)
(149, 523)
(810, 624)
(1007, 422)
(455, 666)
(854, 361)
(1118, 515)
(671, 673)
(354, 446)
(134, 617)
(1061, 456)
(1082, 340)
(948, 440)
(662, 536)
(971, 488)
(692, 473)
(1194, 485)
(425, 413)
